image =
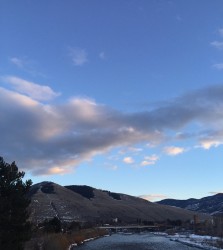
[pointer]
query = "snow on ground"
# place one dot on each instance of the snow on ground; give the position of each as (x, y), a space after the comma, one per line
(202, 242)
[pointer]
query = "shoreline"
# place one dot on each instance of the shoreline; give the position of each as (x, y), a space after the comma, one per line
(203, 242)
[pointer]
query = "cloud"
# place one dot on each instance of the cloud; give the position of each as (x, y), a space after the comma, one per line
(18, 62)
(218, 66)
(102, 55)
(173, 150)
(153, 197)
(214, 192)
(179, 18)
(149, 160)
(220, 31)
(213, 138)
(79, 56)
(114, 167)
(209, 143)
(217, 45)
(128, 160)
(55, 138)
(33, 90)
(146, 163)
(133, 150)
(26, 65)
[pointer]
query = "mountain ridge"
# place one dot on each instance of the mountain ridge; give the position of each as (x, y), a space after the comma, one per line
(84, 203)
(211, 204)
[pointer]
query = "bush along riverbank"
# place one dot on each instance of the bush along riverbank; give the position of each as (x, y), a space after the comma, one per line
(63, 241)
(49, 235)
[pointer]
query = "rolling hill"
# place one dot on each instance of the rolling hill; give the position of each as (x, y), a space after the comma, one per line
(210, 204)
(84, 203)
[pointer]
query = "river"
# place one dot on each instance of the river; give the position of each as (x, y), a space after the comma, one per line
(143, 241)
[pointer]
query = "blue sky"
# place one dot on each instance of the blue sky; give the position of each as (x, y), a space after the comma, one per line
(123, 95)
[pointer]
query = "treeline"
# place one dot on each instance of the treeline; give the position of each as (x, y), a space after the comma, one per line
(18, 233)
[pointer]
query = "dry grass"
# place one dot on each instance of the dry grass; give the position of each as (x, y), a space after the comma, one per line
(61, 241)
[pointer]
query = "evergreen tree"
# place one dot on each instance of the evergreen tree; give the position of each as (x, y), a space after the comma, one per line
(14, 227)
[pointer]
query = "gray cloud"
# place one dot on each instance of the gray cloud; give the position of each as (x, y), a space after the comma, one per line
(47, 139)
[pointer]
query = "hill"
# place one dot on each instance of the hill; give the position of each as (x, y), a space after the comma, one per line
(84, 203)
(210, 204)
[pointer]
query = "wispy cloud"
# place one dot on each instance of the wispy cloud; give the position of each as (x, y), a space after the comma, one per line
(54, 138)
(173, 150)
(217, 45)
(132, 150)
(79, 56)
(209, 143)
(149, 160)
(33, 90)
(216, 192)
(27, 65)
(18, 62)
(220, 31)
(218, 66)
(128, 160)
(179, 18)
(102, 55)
(153, 197)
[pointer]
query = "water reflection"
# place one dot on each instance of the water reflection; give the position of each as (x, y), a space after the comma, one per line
(144, 241)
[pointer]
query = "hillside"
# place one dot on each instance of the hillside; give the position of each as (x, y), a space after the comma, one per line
(211, 204)
(83, 203)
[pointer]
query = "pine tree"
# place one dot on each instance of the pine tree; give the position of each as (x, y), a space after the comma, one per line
(14, 227)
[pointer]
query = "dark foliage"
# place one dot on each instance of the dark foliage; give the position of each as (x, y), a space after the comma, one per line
(52, 226)
(115, 196)
(33, 190)
(48, 188)
(85, 191)
(178, 203)
(176, 223)
(74, 226)
(14, 228)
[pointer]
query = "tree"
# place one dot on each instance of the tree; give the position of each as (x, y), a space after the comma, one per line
(52, 225)
(14, 227)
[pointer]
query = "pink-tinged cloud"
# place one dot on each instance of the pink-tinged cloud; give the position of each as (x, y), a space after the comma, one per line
(149, 160)
(173, 150)
(55, 138)
(153, 197)
(128, 160)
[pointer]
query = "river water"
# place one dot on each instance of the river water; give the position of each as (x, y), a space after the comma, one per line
(144, 241)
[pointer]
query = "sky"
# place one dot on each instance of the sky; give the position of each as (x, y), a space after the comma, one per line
(120, 95)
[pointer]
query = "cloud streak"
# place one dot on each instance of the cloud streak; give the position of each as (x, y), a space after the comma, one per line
(17, 62)
(33, 90)
(218, 66)
(55, 138)
(79, 56)
(149, 160)
(217, 45)
(29, 66)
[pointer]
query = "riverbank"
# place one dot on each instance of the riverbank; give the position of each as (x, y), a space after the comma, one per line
(199, 241)
(63, 241)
